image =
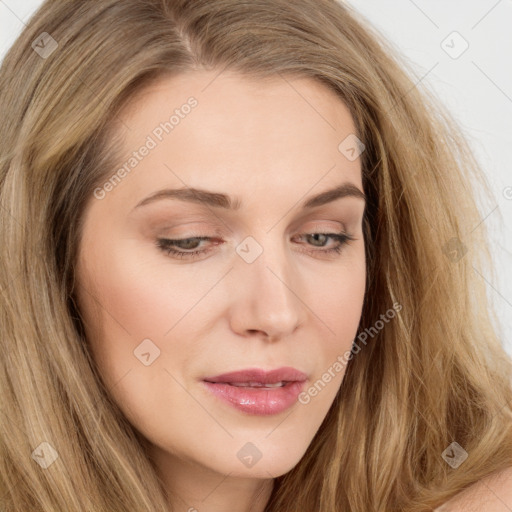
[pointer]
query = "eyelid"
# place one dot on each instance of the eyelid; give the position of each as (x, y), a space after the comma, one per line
(320, 225)
(220, 231)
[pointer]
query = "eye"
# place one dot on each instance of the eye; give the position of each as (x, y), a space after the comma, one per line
(174, 247)
(168, 246)
(342, 239)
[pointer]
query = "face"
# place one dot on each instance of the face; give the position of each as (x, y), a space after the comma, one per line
(177, 290)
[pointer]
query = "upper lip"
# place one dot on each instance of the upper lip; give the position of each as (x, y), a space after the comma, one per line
(284, 374)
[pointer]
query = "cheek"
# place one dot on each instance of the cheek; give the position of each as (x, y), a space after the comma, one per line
(136, 295)
(128, 304)
(140, 294)
(339, 309)
(339, 301)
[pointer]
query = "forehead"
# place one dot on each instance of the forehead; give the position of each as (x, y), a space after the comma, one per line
(217, 86)
(238, 99)
(240, 132)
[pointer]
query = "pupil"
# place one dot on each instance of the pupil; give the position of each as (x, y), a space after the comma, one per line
(188, 242)
(316, 235)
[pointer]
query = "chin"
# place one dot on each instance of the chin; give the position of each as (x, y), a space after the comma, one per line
(267, 462)
(262, 470)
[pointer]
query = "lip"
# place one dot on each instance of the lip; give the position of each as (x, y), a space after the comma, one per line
(258, 400)
(286, 373)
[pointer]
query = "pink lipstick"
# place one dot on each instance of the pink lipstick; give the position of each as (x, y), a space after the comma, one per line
(256, 391)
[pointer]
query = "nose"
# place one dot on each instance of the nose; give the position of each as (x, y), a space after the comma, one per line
(268, 296)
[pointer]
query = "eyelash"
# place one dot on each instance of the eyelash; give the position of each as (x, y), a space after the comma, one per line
(165, 245)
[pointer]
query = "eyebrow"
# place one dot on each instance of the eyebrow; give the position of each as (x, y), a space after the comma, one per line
(219, 200)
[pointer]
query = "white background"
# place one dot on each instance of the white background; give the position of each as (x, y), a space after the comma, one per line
(476, 87)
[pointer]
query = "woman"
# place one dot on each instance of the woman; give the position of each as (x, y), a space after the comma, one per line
(238, 269)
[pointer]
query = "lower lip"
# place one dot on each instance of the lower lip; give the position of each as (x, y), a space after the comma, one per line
(259, 401)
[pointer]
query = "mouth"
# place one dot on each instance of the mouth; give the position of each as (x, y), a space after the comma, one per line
(254, 377)
(256, 391)
(253, 384)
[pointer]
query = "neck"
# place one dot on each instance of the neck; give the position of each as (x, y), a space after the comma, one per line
(192, 487)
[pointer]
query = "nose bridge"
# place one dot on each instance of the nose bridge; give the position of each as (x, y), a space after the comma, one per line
(268, 295)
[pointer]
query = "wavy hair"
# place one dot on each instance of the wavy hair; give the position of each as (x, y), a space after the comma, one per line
(435, 375)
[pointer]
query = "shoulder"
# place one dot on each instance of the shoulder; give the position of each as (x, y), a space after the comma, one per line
(492, 494)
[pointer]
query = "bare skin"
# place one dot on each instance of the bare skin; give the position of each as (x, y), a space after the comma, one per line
(273, 145)
(491, 494)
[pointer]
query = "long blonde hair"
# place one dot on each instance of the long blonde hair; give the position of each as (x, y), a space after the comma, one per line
(436, 374)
